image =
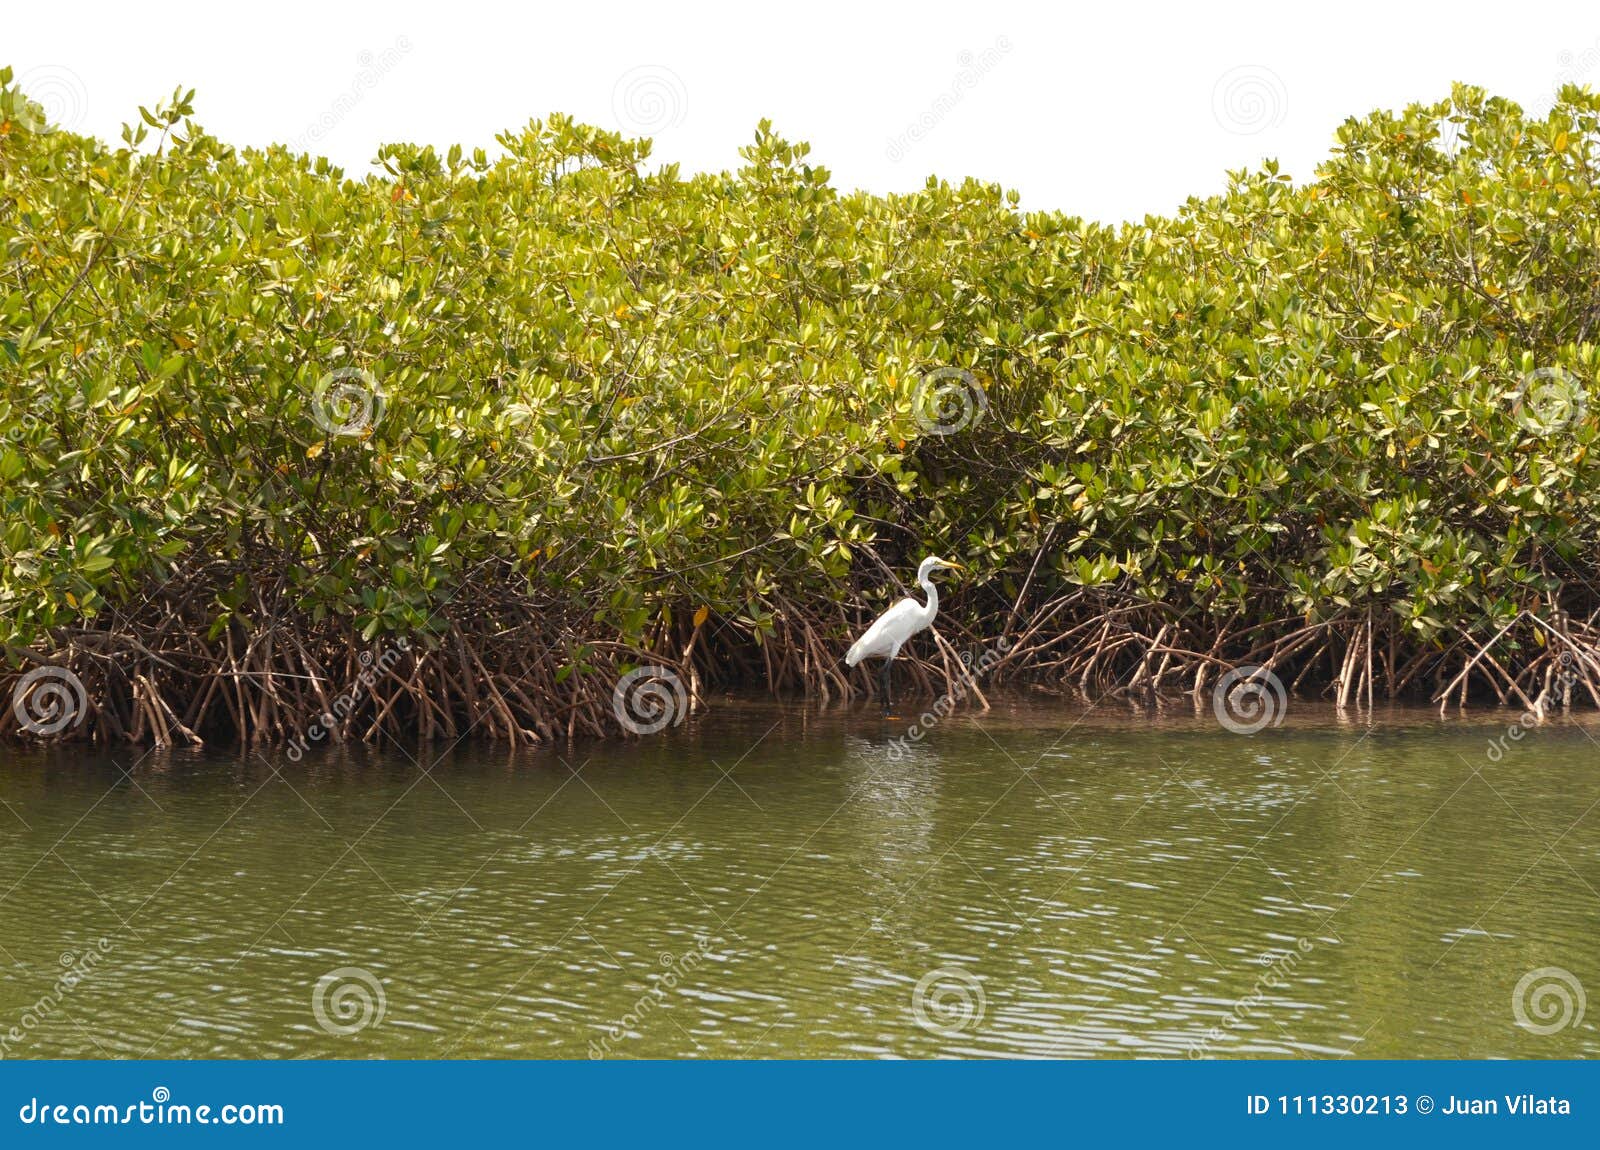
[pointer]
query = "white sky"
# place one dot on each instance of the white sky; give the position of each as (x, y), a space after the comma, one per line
(1108, 111)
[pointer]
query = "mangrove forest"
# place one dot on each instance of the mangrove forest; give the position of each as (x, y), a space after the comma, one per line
(455, 445)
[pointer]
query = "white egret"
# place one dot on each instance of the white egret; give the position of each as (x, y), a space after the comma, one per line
(890, 630)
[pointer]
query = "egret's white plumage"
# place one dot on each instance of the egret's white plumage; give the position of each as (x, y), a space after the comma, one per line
(890, 630)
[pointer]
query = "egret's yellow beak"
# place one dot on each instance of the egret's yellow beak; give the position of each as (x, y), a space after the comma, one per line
(957, 566)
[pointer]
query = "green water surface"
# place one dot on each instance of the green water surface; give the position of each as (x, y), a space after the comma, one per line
(771, 881)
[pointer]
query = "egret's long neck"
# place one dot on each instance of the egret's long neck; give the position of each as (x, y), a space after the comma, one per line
(932, 608)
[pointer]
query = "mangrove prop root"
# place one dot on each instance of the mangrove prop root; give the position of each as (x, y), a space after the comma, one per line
(523, 674)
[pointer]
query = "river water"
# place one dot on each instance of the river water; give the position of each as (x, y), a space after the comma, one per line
(771, 881)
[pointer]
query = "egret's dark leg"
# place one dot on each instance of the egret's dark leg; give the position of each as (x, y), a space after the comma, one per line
(884, 682)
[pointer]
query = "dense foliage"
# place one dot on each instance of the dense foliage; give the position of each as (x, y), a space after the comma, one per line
(558, 400)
